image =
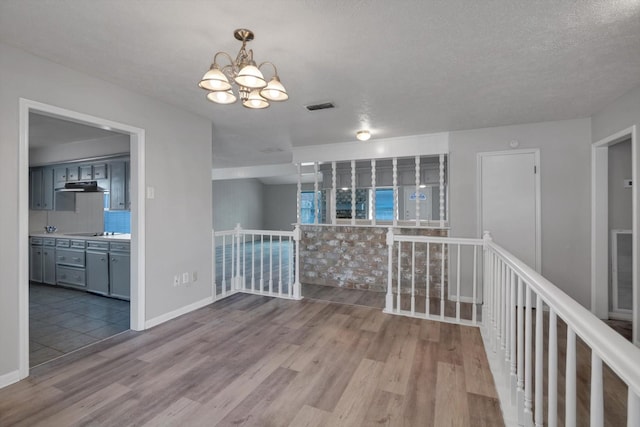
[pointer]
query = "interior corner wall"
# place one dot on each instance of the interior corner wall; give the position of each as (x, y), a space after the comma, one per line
(565, 167)
(280, 206)
(621, 114)
(177, 164)
(237, 201)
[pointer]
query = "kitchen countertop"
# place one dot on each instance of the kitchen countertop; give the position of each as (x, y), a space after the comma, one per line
(117, 237)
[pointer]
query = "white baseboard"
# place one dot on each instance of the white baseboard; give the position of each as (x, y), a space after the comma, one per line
(9, 378)
(177, 313)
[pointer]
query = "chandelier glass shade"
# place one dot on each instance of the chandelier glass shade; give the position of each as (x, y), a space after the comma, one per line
(244, 77)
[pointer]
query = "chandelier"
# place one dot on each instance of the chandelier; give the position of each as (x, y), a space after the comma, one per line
(251, 86)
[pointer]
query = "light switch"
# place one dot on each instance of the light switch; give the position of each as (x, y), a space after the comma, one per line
(628, 183)
(151, 193)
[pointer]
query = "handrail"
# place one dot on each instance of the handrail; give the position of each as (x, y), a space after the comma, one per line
(267, 232)
(437, 239)
(618, 353)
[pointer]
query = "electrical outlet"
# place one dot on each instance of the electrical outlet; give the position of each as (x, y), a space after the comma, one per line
(176, 280)
(194, 276)
(185, 277)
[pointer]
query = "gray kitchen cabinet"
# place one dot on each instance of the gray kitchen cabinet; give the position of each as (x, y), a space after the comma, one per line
(86, 173)
(70, 262)
(35, 260)
(49, 261)
(60, 174)
(119, 270)
(41, 188)
(73, 173)
(100, 171)
(97, 267)
(118, 186)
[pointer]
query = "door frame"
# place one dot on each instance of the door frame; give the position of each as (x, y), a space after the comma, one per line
(600, 225)
(137, 153)
(538, 212)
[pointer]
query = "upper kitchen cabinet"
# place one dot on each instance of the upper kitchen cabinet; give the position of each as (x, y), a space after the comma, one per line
(100, 171)
(41, 183)
(118, 194)
(86, 172)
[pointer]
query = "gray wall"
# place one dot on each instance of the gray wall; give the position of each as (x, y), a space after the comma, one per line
(116, 144)
(565, 163)
(620, 207)
(237, 201)
(617, 116)
(280, 206)
(178, 164)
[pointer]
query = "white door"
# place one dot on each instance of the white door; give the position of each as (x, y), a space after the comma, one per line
(411, 198)
(509, 202)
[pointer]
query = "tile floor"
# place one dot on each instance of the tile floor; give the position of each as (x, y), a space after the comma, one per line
(63, 320)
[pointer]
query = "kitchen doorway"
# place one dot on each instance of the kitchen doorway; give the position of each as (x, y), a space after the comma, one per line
(605, 219)
(136, 308)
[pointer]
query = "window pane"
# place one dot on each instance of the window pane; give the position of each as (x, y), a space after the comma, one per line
(384, 204)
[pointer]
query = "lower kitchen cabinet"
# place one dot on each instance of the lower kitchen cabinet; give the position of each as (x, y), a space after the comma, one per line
(49, 262)
(98, 272)
(119, 270)
(35, 267)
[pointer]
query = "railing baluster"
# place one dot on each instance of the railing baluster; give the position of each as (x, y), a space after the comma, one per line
(290, 251)
(570, 378)
(388, 306)
(280, 265)
(398, 308)
(244, 261)
(512, 321)
(474, 302)
(520, 351)
(597, 403)
(507, 326)
(528, 350)
(442, 283)
(213, 267)
(552, 394)
(496, 303)
(458, 285)
(261, 262)
(253, 263)
(270, 264)
(413, 278)
(232, 281)
(539, 418)
(633, 409)
(224, 262)
(427, 280)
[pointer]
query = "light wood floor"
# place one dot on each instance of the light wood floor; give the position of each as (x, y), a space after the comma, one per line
(251, 360)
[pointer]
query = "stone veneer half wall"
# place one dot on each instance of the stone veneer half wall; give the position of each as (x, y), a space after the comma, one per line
(356, 257)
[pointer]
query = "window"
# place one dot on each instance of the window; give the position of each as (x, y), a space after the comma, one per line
(384, 204)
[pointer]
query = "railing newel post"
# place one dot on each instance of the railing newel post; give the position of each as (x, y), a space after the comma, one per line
(389, 298)
(297, 287)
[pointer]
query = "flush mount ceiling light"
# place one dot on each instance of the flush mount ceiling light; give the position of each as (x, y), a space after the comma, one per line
(363, 135)
(250, 84)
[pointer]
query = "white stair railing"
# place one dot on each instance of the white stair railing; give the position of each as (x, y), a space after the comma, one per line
(261, 262)
(511, 288)
(431, 271)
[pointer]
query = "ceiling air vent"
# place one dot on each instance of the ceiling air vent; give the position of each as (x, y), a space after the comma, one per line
(323, 106)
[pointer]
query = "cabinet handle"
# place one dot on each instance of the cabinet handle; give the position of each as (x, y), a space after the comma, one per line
(76, 259)
(101, 259)
(113, 260)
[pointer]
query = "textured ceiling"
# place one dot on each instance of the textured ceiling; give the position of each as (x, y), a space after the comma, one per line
(399, 67)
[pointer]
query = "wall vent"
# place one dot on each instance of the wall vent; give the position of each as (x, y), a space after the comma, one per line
(323, 106)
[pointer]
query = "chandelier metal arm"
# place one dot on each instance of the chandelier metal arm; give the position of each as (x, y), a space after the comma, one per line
(215, 58)
(275, 70)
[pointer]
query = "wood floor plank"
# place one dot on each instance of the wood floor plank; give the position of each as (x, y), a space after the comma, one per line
(420, 400)
(83, 408)
(358, 395)
(395, 376)
(452, 409)
(478, 378)
(249, 412)
(308, 416)
(386, 410)
(486, 410)
(173, 415)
